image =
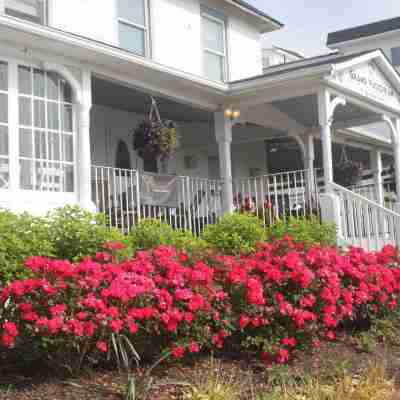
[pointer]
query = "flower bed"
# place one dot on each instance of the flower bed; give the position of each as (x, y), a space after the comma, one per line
(277, 301)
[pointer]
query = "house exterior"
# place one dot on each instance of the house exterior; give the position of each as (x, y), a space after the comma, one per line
(73, 89)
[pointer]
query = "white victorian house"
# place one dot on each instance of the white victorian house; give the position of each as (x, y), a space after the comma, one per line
(77, 76)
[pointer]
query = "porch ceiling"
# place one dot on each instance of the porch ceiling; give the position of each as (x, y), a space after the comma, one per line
(114, 95)
(304, 110)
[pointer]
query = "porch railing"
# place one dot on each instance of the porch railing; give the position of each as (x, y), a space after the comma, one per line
(278, 196)
(127, 196)
(365, 223)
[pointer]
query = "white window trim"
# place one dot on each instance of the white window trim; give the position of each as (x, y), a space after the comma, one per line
(145, 28)
(223, 54)
(14, 127)
(46, 10)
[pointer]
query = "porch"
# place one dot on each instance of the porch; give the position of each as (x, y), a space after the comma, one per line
(277, 160)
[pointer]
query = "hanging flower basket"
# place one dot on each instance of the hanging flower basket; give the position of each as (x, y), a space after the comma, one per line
(154, 137)
(347, 172)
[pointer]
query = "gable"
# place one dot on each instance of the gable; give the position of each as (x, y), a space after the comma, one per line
(368, 80)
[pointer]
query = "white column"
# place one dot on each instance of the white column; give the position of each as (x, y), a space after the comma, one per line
(310, 154)
(396, 151)
(84, 165)
(326, 137)
(376, 165)
(223, 134)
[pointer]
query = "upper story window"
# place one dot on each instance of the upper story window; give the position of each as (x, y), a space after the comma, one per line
(396, 56)
(133, 26)
(30, 10)
(214, 46)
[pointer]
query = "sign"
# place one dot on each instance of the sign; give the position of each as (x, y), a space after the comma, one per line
(369, 81)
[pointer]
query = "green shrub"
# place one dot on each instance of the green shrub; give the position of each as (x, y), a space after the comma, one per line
(310, 231)
(77, 233)
(236, 233)
(21, 236)
(151, 233)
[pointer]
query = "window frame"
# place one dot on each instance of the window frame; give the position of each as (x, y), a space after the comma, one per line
(145, 28)
(224, 55)
(49, 132)
(45, 12)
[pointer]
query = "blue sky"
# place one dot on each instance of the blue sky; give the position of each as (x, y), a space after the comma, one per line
(307, 22)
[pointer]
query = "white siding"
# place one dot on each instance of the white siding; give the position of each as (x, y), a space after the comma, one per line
(175, 32)
(95, 19)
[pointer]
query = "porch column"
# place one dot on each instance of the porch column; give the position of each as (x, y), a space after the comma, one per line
(376, 164)
(396, 150)
(84, 166)
(310, 154)
(325, 123)
(223, 134)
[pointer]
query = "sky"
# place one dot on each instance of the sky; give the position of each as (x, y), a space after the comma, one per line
(307, 22)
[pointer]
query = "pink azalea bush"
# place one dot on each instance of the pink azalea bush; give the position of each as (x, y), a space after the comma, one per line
(277, 301)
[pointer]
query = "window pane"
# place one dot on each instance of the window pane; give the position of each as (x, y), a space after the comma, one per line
(66, 118)
(25, 143)
(3, 141)
(3, 76)
(214, 66)
(24, 80)
(68, 178)
(68, 148)
(52, 86)
(52, 116)
(132, 39)
(54, 146)
(66, 92)
(38, 83)
(30, 10)
(49, 176)
(4, 173)
(41, 145)
(25, 111)
(26, 174)
(39, 109)
(3, 108)
(132, 10)
(396, 56)
(213, 34)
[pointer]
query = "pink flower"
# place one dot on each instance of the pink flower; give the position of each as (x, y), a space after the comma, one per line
(178, 352)
(102, 346)
(194, 347)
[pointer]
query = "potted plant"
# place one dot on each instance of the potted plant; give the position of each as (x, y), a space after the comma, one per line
(155, 138)
(347, 172)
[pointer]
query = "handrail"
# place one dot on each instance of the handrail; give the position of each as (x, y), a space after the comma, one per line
(364, 199)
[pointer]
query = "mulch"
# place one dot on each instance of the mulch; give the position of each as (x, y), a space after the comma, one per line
(21, 380)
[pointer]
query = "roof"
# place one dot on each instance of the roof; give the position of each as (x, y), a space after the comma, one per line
(363, 31)
(326, 59)
(257, 11)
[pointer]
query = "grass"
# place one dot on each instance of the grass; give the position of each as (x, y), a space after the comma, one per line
(213, 385)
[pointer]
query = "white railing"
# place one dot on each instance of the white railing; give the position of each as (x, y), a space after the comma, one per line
(278, 196)
(365, 223)
(369, 190)
(127, 196)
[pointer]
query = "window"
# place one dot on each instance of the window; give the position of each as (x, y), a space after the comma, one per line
(4, 149)
(46, 137)
(396, 56)
(214, 47)
(133, 26)
(30, 10)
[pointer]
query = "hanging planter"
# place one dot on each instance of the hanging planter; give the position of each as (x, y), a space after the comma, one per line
(154, 137)
(347, 172)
